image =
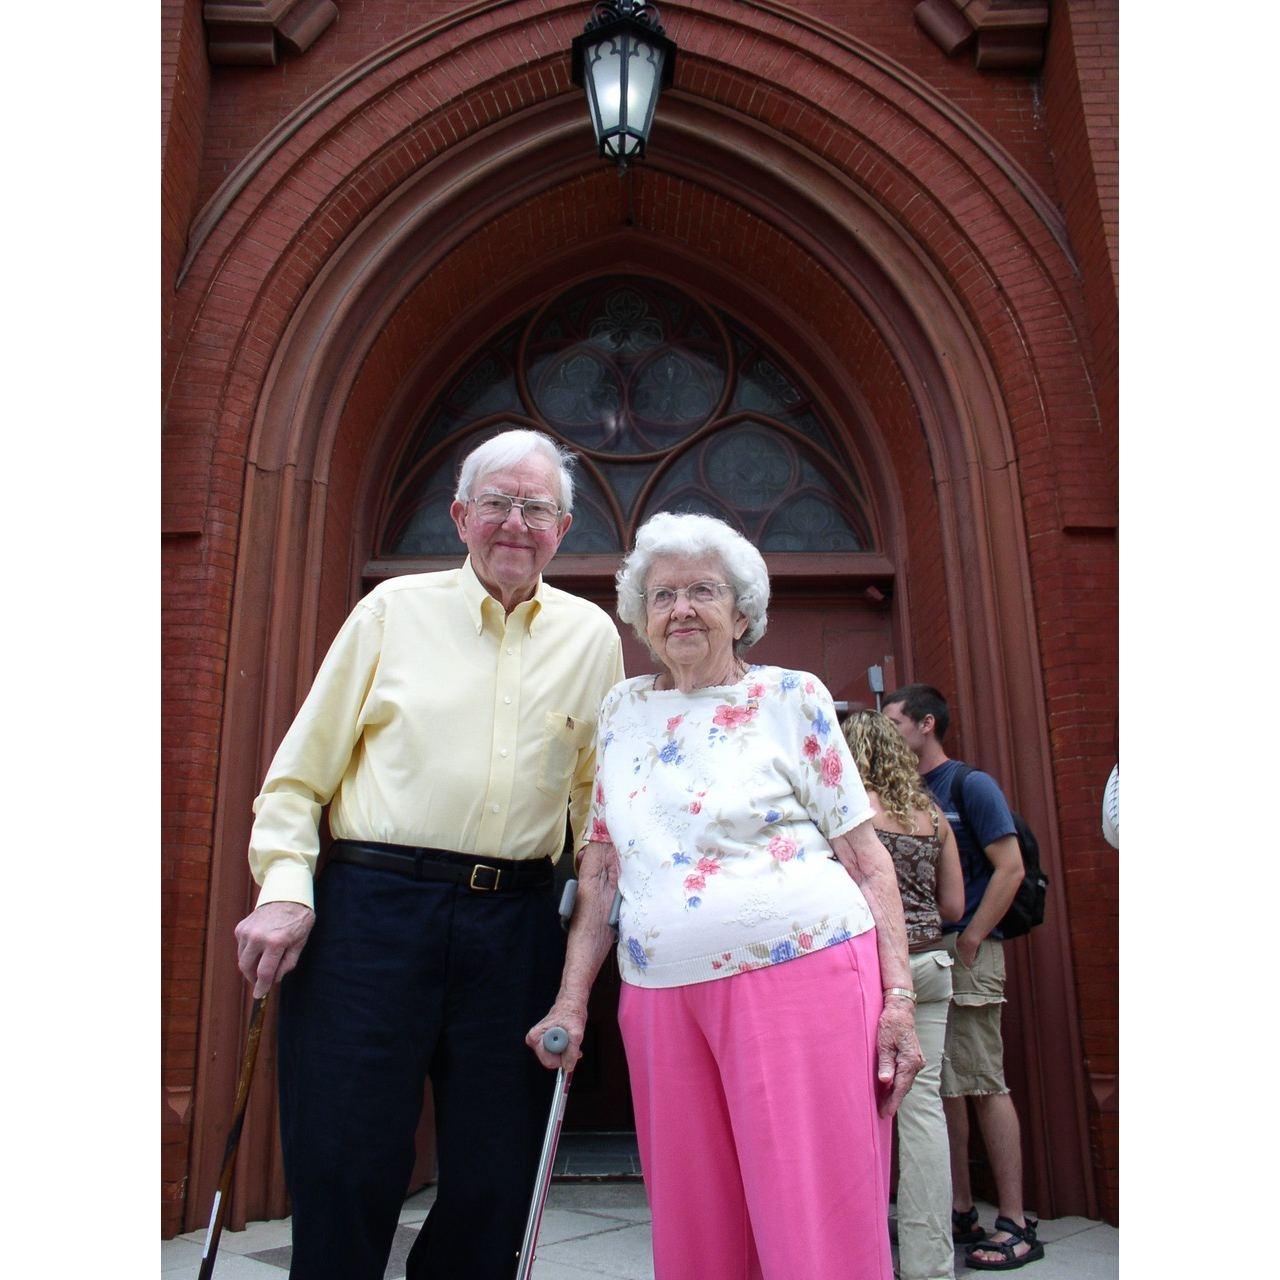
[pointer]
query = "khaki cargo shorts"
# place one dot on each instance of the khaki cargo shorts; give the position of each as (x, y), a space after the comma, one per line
(973, 1060)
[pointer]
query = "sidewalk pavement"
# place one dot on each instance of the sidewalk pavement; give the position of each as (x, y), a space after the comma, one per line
(601, 1229)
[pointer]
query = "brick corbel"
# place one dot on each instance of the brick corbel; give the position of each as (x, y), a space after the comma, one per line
(1106, 1091)
(1006, 35)
(252, 32)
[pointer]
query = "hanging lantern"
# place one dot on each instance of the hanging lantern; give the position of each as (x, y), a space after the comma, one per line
(623, 60)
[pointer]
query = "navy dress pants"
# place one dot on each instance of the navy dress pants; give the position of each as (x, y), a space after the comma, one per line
(401, 980)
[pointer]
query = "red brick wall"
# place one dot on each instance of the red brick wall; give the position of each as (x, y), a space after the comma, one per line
(245, 103)
(1076, 590)
(1005, 104)
(191, 693)
(1081, 92)
(1079, 611)
(191, 688)
(184, 101)
(998, 258)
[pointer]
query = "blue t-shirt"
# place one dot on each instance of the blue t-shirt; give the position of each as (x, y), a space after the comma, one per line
(989, 821)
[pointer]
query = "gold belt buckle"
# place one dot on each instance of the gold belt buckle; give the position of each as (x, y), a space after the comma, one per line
(485, 888)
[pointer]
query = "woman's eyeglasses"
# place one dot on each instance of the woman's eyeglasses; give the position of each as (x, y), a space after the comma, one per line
(660, 599)
(537, 513)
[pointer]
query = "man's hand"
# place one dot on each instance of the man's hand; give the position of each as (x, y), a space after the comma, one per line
(574, 1020)
(1006, 875)
(270, 941)
(898, 1052)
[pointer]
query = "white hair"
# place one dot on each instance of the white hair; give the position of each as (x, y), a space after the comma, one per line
(691, 537)
(510, 448)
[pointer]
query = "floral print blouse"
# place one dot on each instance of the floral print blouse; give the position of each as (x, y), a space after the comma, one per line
(721, 803)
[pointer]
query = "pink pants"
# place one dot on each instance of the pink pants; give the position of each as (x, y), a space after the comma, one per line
(755, 1100)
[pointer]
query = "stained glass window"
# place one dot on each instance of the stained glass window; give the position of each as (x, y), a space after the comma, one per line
(670, 403)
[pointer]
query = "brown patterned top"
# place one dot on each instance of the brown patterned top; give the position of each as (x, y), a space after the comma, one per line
(915, 859)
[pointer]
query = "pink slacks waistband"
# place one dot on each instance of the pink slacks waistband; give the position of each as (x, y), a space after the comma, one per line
(755, 1100)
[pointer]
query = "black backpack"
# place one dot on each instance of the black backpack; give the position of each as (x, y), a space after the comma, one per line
(1027, 908)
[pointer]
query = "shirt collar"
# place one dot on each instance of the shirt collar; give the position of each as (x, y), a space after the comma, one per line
(478, 601)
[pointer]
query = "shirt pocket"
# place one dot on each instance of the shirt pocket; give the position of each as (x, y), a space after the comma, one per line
(563, 737)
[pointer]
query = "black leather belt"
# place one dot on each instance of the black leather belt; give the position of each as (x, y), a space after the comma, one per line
(480, 875)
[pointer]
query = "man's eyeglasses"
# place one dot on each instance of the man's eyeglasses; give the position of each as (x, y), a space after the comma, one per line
(537, 513)
(660, 599)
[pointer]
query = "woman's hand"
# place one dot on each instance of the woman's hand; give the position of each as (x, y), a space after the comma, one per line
(590, 939)
(570, 1016)
(898, 1052)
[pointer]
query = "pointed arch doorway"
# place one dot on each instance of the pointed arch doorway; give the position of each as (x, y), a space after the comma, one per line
(671, 403)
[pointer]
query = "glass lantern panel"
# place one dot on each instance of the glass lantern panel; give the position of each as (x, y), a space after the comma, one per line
(644, 65)
(604, 74)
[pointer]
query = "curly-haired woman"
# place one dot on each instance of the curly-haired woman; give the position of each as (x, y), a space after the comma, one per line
(927, 863)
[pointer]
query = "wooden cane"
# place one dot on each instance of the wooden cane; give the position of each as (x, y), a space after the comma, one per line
(233, 1139)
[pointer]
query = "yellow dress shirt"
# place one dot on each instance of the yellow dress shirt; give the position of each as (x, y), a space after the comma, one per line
(436, 719)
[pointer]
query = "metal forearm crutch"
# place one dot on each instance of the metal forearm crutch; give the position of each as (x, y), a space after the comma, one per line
(554, 1040)
(214, 1233)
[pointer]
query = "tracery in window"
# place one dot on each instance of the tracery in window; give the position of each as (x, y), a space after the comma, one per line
(671, 405)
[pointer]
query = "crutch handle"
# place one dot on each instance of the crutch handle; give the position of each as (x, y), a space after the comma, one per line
(568, 897)
(555, 1039)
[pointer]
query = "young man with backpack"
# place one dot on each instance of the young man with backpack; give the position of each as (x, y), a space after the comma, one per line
(973, 1063)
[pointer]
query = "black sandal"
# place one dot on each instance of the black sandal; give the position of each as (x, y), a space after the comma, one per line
(964, 1226)
(1010, 1261)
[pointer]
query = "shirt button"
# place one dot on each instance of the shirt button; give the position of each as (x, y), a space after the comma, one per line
(496, 808)
(510, 651)
(507, 699)
(503, 753)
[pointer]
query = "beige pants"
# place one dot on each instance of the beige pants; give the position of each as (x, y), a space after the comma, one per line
(973, 1063)
(925, 1249)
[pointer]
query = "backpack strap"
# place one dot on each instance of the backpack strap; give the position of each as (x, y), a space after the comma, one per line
(957, 796)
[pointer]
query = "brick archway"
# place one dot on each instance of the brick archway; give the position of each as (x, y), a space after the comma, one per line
(358, 255)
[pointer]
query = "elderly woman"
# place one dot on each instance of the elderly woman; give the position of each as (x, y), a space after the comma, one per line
(923, 848)
(767, 1005)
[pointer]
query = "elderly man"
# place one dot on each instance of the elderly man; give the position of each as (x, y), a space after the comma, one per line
(450, 728)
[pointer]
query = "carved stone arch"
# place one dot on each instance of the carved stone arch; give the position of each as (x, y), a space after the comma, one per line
(363, 252)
